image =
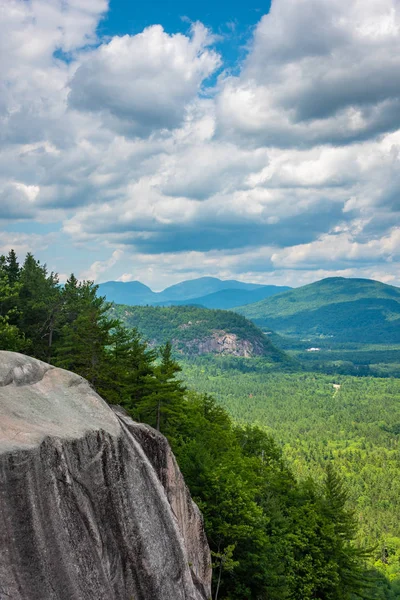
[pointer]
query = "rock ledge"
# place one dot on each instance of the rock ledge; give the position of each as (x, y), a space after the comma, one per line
(93, 505)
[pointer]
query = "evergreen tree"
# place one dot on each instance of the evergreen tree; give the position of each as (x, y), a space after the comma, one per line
(85, 332)
(115, 388)
(335, 506)
(10, 336)
(12, 268)
(130, 368)
(353, 578)
(163, 406)
(72, 300)
(39, 302)
(141, 373)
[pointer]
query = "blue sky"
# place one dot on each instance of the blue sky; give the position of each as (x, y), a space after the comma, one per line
(132, 17)
(168, 141)
(232, 22)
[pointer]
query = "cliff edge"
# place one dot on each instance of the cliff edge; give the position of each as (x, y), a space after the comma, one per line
(93, 505)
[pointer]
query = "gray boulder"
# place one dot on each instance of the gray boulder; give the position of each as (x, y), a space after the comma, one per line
(92, 505)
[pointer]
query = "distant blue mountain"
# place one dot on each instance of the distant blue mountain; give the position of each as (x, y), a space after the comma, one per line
(205, 291)
(195, 288)
(129, 292)
(230, 298)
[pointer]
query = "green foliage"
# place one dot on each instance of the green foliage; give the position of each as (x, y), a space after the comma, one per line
(270, 536)
(10, 336)
(37, 307)
(223, 562)
(85, 332)
(354, 426)
(140, 370)
(162, 407)
(185, 326)
(357, 310)
(130, 367)
(68, 326)
(275, 534)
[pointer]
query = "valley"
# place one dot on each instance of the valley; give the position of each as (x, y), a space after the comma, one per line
(350, 421)
(322, 392)
(200, 300)
(288, 440)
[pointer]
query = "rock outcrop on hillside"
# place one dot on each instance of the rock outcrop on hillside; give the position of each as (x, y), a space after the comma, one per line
(222, 342)
(195, 331)
(92, 505)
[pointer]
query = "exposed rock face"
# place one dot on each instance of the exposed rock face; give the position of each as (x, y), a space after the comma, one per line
(221, 342)
(92, 505)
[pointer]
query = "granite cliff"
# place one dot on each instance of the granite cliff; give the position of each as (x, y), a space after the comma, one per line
(221, 342)
(93, 505)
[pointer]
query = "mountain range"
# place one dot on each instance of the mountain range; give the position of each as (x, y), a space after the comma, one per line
(209, 292)
(337, 308)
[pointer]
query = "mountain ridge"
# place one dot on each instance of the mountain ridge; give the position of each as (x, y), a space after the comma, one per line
(229, 298)
(346, 309)
(193, 291)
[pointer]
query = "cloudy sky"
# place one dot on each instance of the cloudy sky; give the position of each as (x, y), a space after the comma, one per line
(168, 141)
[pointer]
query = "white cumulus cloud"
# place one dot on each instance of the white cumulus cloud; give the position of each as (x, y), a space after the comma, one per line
(142, 147)
(144, 82)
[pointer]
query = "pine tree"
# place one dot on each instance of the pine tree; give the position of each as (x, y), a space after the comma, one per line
(353, 578)
(12, 268)
(10, 336)
(335, 506)
(71, 300)
(164, 405)
(39, 302)
(128, 365)
(141, 376)
(85, 332)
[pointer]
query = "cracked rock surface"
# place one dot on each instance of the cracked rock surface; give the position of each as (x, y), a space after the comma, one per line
(92, 505)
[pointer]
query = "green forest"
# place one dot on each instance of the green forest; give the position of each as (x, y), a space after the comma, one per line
(342, 310)
(185, 324)
(369, 360)
(295, 476)
(316, 419)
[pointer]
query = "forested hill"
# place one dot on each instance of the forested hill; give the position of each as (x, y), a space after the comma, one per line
(356, 310)
(195, 330)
